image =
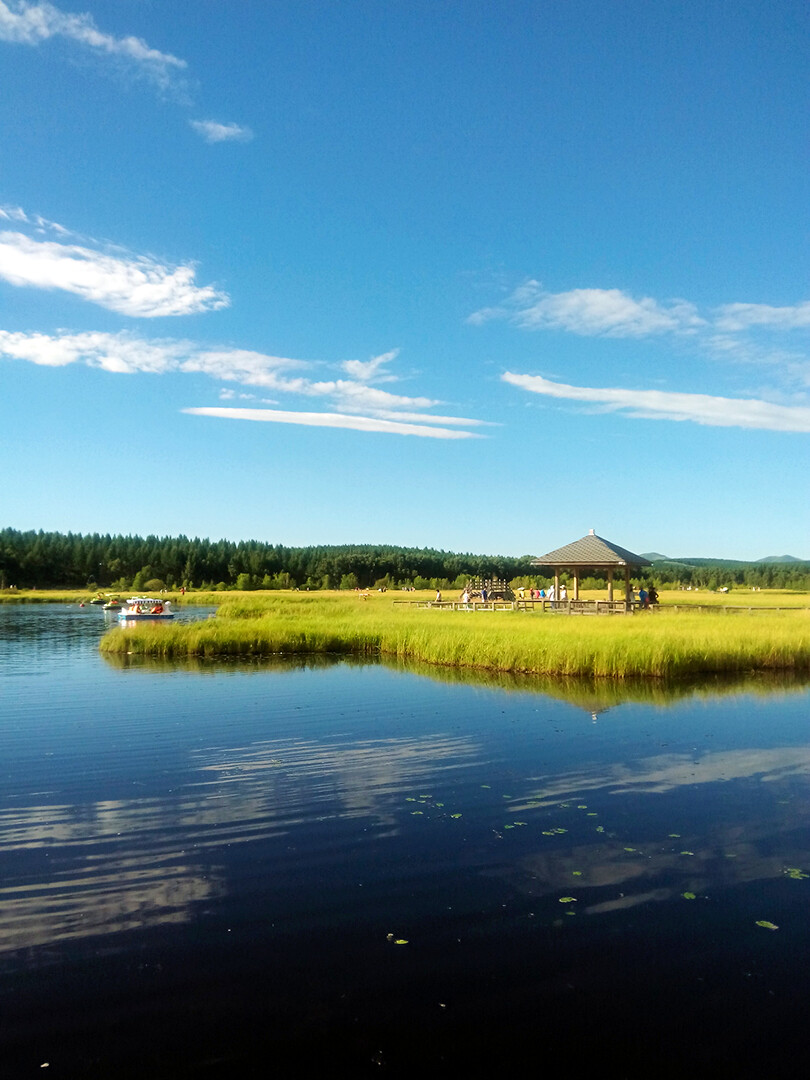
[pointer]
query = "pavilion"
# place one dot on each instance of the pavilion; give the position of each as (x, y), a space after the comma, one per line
(593, 552)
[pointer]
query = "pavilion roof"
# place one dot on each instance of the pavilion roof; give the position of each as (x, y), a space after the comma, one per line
(593, 552)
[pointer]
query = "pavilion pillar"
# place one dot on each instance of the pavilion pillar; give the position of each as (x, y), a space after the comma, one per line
(627, 584)
(556, 583)
(576, 584)
(610, 582)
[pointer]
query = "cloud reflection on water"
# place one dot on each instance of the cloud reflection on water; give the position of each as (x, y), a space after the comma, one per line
(130, 864)
(665, 772)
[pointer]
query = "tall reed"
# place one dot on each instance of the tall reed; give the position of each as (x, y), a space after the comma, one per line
(665, 644)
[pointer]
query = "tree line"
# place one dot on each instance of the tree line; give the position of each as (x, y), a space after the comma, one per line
(71, 560)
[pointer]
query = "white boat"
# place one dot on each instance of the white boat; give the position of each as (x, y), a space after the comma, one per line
(146, 607)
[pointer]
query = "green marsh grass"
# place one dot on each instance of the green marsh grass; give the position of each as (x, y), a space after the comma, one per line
(662, 644)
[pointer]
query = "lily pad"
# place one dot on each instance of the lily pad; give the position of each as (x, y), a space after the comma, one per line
(688, 896)
(567, 900)
(767, 925)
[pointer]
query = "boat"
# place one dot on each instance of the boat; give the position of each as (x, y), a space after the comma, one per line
(146, 607)
(113, 605)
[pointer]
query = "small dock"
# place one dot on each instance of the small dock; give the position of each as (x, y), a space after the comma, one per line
(459, 605)
(579, 607)
(552, 607)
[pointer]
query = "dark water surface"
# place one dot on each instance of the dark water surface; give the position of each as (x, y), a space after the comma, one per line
(206, 870)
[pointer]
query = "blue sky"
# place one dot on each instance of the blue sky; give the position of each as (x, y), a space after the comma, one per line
(442, 273)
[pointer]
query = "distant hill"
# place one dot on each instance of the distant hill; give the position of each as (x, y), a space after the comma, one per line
(733, 564)
(657, 557)
(779, 559)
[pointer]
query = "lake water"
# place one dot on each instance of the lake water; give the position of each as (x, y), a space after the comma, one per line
(231, 870)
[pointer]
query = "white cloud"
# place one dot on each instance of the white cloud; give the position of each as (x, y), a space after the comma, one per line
(333, 420)
(430, 418)
(135, 285)
(591, 312)
(214, 132)
(111, 352)
(245, 367)
(30, 24)
(741, 333)
(37, 223)
(354, 395)
(368, 370)
(125, 354)
(735, 317)
(663, 405)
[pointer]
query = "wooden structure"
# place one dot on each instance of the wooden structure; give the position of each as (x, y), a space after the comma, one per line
(593, 552)
(497, 588)
(459, 605)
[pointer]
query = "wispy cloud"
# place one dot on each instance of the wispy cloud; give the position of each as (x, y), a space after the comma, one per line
(352, 395)
(733, 317)
(591, 312)
(31, 24)
(25, 23)
(135, 285)
(371, 370)
(126, 354)
(215, 132)
(745, 333)
(663, 405)
(39, 224)
(333, 420)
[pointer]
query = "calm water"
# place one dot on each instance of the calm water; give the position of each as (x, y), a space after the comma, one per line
(206, 870)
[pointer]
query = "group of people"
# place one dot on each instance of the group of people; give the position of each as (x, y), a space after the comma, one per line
(467, 595)
(541, 594)
(646, 596)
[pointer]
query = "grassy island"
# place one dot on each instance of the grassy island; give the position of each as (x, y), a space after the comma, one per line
(663, 644)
